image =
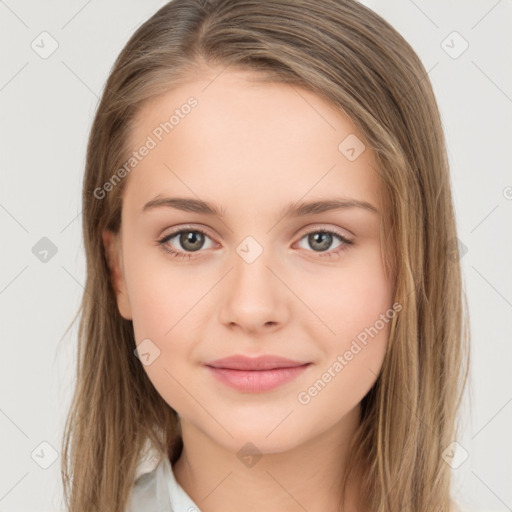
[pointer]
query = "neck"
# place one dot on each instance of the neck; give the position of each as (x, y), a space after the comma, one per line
(307, 477)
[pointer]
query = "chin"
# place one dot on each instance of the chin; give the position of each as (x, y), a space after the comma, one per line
(264, 436)
(258, 444)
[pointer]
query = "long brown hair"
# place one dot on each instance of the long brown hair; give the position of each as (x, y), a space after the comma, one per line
(350, 56)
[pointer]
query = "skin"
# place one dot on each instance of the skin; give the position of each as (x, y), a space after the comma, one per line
(253, 148)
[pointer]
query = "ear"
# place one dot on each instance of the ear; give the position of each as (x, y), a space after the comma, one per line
(112, 245)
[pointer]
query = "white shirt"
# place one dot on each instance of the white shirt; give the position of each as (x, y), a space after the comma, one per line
(155, 488)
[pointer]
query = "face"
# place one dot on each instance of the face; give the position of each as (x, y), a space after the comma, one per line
(246, 276)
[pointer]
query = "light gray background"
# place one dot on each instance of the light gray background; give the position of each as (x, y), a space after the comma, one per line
(47, 109)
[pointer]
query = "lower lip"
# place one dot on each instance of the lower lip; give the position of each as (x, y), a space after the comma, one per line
(257, 381)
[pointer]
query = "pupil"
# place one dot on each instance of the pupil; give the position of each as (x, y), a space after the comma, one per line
(191, 240)
(323, 239)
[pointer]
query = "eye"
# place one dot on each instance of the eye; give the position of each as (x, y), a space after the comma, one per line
(321, 240)
(193, 240)
(190, 240)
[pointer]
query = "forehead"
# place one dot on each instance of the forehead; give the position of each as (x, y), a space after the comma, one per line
(226, 135)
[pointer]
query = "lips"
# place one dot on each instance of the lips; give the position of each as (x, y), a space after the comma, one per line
(240, 362)
(255, 374)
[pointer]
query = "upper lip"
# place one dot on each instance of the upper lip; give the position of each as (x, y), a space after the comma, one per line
(240, 362)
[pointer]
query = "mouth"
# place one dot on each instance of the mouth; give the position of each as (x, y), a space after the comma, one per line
(255, 375)
(267, 362)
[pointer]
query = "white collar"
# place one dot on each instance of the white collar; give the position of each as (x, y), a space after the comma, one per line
(155, 488)
(149, 459)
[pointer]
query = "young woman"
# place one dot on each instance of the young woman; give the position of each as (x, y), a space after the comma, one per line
(273, 316)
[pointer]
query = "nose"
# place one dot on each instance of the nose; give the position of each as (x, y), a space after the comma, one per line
(254, 300)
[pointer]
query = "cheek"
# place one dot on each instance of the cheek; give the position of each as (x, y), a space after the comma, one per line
(162, 296)
(342, 382)
(162, 300)
(348, 299)
(355, 305)
(361, 314)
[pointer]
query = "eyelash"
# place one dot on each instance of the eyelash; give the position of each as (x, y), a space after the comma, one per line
(177, 254)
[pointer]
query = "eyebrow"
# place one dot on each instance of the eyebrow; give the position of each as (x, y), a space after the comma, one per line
(291, 210)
